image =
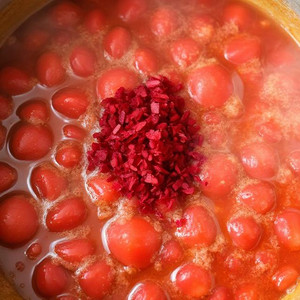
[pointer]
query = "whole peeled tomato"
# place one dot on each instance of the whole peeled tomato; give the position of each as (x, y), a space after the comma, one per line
(210, 86)
(133, 242)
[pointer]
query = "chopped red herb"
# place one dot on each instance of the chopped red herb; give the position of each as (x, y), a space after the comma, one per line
(147, 144)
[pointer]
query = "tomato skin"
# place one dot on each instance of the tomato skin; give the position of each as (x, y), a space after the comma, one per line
(103, 190)
(117, 42)
(71, 102)
(130, 11)
(34, 112)
(17, 216)
(194, 281)
(237, 14)
(287, 228)
(6, 107)
(49, 69)
(210, 86)
(171, 252)
(218, 176)
(184, 52)
(147, 291)
(2, 135)
(30, 142)
(293, 160)
(66, 215)
(220, 293)
(74, 132)
(246, 292)
(134, 242)
(244, 232)
(242, 49)
(145, 61)
(259, 160)
(68, 156)
(74, 251)
(8, 176)
(96, 280)
(49, 279)
(163, 22)
(285, 277)
(14, 81)
(95, 21)
(199, 228)
(259, 196)
(66, 14)
(34, 251)
(113, 79)
(83, 61)
(47, 183)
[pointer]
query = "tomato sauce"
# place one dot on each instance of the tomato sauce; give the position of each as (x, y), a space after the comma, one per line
(66, 233)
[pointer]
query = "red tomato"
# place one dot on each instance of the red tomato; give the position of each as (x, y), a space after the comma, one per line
(210, 86)
(110, 81)
(117, 42)
(49, 69)
(242, 49)
(171, 252)
(2, 136)
(30, 142)
(6, 107)
(68, 156)
(234, 263)
(74, 251)
(163, 22)
(66, 215)
(145, 61)
(238, 14)
(287, 228)
(285, 277)
(49, 279)
(147, 291)
(131, 10)
(97, 280)
(67, 298)
(34, 112)
(83, 61)
(8, 176)
(34, 251)
(14, 81)
(259, 196)
(294, 161)
(133, 242)
(184, 52)
(270, 132)
(202, 28)
(199, 228)
(103, 190)
(66, 14)
(18, 220)
(47, 183)
(220, 293)
(95, 21)
(74, 132)
(35, 38)
(71, 102)
(259, 160)
(246, 292)
(265, 259)
(218, 175)
(245, 233)
(194, 281)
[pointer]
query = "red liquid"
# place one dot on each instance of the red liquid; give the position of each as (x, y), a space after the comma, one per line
(249, 119)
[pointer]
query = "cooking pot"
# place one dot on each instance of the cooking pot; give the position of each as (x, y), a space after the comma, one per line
(14, 12)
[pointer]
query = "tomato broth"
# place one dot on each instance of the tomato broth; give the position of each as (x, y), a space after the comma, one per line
(66, 232)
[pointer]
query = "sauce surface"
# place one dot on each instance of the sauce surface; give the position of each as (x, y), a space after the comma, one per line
(66, 233)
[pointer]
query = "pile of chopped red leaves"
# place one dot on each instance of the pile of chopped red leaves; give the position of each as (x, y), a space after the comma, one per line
(148, 144)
